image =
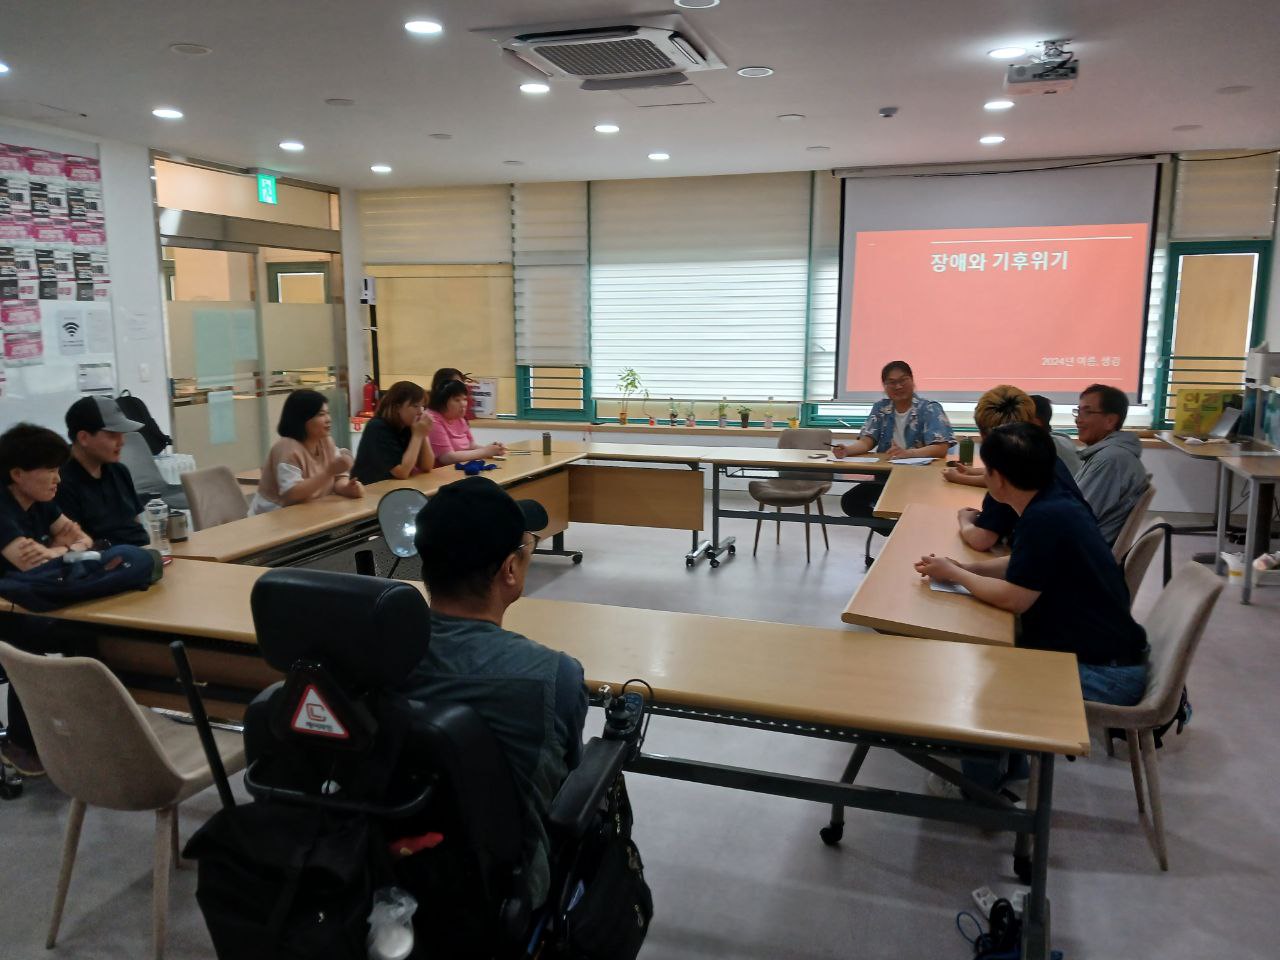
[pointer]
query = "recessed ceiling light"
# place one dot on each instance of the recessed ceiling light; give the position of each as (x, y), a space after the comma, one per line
(423, 27)
(4, 67)
(514, 163)
(659, 156)
(339, 102)
(998, 105)
(167, 113)
(534, 88)
(607, 128)
(380, 168)
(756, 72)
(991, 139)
(1235, 88)
(191, 49)
(817, 148)
(1007, 53)
(791, 117)
(697, 4)
(1188, 127)
(293, 146)
(440, 136)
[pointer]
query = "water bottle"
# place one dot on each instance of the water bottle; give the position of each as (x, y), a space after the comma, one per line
(158, 522)
(546, 444)
(966, 451)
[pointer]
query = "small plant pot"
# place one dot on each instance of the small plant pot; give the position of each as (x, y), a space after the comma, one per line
(653, 422)
(690, 421)
(673, 420)
(622, 418)
(746, 420)
(768, 423)
(724, 422)
(793, 423)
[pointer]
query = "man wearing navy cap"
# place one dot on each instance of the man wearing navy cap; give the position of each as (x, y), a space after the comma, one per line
(97, 489)
(476, 542)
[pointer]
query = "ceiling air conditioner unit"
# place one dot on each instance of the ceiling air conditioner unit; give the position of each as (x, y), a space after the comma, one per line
(613, 57)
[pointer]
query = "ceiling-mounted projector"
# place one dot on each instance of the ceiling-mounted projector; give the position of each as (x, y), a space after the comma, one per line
(1023, 78)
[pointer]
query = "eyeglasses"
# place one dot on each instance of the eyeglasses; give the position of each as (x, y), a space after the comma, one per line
(1078, 412)
(532, 545)
(897, 382)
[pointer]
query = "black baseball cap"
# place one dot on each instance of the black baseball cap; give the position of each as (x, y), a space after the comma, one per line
(98, 413)
(473, 525)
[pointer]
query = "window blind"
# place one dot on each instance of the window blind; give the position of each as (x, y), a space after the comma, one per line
(824, 288)
(436, 225)
(701, 285)
(1218, 198)
(549, 247)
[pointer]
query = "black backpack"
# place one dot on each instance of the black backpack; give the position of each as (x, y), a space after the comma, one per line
(136, 409)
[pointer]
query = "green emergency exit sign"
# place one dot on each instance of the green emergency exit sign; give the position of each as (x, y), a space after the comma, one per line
(267, 188)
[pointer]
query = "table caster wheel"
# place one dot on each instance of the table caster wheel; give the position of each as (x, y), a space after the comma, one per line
(688, 561)
(1022, 869)
(714, 563)
(733, 550)
(576, 558)
(832, 834)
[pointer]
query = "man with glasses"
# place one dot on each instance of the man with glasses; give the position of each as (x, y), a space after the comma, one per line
(1111, 475)
(476, 542)
(903, 424)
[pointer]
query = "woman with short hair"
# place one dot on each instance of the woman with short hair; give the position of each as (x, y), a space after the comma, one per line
(394, 443)
(451, 439)
(304, 464)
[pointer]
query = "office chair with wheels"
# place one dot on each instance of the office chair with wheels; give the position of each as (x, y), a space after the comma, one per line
(362, 789)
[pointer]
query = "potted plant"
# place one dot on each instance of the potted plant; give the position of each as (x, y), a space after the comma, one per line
(768, 414)
(690, 417)
(673, 415)
(721, 409)
(644, 410)
(745, 413)
(629, 385)
(793, 423)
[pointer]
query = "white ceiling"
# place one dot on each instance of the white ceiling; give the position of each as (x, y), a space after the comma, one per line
(1146, 67)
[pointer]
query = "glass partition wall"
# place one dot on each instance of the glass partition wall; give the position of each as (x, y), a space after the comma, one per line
(245, 327)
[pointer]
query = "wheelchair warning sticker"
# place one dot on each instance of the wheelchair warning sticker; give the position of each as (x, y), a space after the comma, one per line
(314, 716)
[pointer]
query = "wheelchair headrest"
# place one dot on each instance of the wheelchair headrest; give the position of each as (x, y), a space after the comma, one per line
(368, 631)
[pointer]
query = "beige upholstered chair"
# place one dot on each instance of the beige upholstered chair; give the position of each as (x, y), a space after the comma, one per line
(1174, 628)
(794, 489)
(1133, 523)
(214, 497)
(102, 749)
(1138, 560)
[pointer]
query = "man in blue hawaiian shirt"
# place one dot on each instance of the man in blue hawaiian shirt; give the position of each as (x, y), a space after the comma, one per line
(901, 425)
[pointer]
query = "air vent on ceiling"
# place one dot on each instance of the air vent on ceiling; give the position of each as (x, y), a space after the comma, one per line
(613, 57)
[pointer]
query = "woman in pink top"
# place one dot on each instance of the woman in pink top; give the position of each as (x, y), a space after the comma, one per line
(451, 439)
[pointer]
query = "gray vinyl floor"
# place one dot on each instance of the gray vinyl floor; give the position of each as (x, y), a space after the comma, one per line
(742, 875)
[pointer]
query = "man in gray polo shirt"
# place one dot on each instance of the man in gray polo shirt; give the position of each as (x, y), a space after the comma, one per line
(475, 542)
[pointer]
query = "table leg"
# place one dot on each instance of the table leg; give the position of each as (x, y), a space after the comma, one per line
(1251, 546)
(699, 547)
(1035, 924)
(718, 547)
(834, 831)
(1224, 509)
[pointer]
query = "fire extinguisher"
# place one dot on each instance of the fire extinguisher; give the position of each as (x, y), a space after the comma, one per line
(370, 396)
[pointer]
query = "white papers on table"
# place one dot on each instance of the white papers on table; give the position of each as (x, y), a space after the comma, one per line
(853, 459)
(912, 461)
(946, 586)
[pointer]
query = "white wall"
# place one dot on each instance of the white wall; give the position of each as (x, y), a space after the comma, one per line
(358, 364)
(135, 271)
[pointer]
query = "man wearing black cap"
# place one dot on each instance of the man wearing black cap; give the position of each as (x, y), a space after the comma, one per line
(97, 489)
(475, 542)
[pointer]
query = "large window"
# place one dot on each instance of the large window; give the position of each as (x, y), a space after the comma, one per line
(701, 285)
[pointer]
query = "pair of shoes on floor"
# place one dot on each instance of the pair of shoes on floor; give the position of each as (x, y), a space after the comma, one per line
(936, 786)
(25, 761)
(1266, 561)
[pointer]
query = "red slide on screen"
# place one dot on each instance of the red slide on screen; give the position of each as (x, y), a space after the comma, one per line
(1048, 309)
